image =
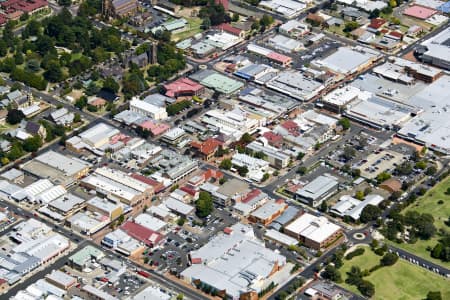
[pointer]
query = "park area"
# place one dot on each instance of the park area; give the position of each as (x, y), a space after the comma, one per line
(402, 281)
(436, 203)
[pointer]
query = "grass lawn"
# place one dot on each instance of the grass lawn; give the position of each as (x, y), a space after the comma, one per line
(402, 281)
(194, 28)
(339, 30)
(429, 204)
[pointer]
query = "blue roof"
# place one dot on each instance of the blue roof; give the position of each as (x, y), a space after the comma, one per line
(445, 8)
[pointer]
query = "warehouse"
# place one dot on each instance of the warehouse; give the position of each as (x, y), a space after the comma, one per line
(347, 61)
(60, 169)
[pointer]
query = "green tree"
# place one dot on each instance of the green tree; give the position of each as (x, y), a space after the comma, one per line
(226, 164)
(332, 274)
(350, 26)
(14, 116)
(246, 138)
(345, 123)
(389, 259)
(302, 170)
(77, 118)
(366, 288)
(243, 171)
(359, 195)
(111, 85)
(370, 213)
(32, 144)
(54, 72)
(204, 205)
(434, 295)
(265, 177)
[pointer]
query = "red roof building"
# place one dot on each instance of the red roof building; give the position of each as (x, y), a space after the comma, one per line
(252, 195)
(291, 127)
(274, 139)
(183, 87)
(157, 186)
(212, 173)
(154, 128)
(419, 12)
(206, 149)
(279, 58)
(28, 6)
(191, 190)
(147, 236)
(230, 29)
(376, 23)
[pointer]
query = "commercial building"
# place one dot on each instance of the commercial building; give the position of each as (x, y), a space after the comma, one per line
(296, 85)
(87, 223)
(176, 137)
(93, 139)
(419, 12)
(150, 222)
(351, 207)
(105, 207)
(120, 241)
(218, 82)
(286, 8)
(66, 204)
(337, 100)
(254, 199)
(256, 167)
(231, 191)
(274, 156)
(62, 116)
(285, 44)
(232, 123)
(280, 238)
(437, 50)
(119, 187)
(318, 190)
(268, 212)
(61, 279)
(206, 150)
(148, 109)
(314, 232)
(95, 293)
(235, 264)
(143, 234)
(274, 57)
(379, 113)
(173, 166)
(275, 103)
(347, 61)
(178, 207)
(83, 258)
(59, 168)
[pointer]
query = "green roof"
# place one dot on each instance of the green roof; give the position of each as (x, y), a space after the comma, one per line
(222, 83)
(86, 254)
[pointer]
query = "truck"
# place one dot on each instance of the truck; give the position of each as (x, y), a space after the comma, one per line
(143, 273)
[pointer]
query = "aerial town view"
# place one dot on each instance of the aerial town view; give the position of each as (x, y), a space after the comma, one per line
(225, 149)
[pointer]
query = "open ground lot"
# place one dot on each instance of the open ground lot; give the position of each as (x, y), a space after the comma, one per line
(429, 204)
(402, 281)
